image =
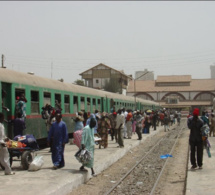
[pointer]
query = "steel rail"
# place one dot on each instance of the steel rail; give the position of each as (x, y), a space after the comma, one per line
(108, 192)
(158, 179)
(120, 181)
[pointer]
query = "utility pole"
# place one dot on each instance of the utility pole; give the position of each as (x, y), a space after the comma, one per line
(51, 68)
(2, 60)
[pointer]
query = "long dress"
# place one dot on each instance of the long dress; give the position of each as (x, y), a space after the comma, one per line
(60, 136)
(88, 140)
(103, 126)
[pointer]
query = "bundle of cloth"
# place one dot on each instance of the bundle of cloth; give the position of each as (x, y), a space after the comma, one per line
(28, 140)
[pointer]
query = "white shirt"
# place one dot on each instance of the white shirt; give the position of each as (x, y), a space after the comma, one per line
(2, 134)
(120, 119)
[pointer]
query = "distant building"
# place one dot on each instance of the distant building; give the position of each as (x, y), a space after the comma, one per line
(212, 67)
(177, 92)
(144, 75)
(97, 76)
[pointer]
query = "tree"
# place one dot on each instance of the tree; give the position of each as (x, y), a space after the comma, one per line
(113, 85)
(79, 82)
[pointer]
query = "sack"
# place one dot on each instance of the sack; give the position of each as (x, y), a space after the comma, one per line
(205, 130)
(83, 156)
(29, 140)
(77, 138)
(36, 164)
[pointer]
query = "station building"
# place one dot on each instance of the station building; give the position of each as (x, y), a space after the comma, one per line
(178, 92)
(97, 76)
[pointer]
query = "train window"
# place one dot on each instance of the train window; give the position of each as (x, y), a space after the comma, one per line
(35, 102)
(82, 104)
(57, 101)
(94, 104)
(88, 104)
(66, 104)
(19, 92)
(46, 98)
(99, 105)
(75, 104)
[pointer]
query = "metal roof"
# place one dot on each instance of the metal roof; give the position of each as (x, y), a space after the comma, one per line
(11, 76)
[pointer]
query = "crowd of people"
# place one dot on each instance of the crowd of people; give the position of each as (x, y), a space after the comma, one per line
(119, 125)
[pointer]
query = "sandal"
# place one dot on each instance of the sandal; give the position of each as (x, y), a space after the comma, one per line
(83, 169)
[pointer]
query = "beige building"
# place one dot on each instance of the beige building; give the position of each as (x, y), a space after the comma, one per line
(97, 76)
(177, 92)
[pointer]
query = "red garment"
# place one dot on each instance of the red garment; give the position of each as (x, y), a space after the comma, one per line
(161, 116)
(196, 112)
(129, 116)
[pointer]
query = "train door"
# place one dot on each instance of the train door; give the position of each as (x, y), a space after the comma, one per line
(104, 104)
(112, 107)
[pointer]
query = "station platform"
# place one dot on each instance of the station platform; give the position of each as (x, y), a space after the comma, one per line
(62, 181)
(201, 181)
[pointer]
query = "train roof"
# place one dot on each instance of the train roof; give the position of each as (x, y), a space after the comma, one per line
(11, 76)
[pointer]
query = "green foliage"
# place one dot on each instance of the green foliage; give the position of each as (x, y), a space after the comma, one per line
(79, 82)
(113, 86)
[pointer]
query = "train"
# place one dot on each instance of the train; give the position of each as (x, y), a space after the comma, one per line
(40, 91)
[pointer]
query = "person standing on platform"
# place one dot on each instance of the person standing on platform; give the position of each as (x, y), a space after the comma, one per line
(125, 113)
(113, 126)
(195, 139)
(59, 133)
(87, 141)
(79, 125)
(120, 120)
(139, 125)
(4, 154)
(166, 123)
(18, 125)
(179, 118)
(128, 123)
(212, 126)
(134, 122)
(103, 126)
(205, 118)
(21, 105)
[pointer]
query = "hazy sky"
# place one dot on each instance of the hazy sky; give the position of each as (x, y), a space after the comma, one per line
(169, 38)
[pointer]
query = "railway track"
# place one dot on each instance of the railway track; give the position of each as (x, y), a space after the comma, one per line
(145, 175)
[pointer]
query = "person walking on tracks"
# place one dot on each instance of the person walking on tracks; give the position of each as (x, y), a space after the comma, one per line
(195, 139)
(4, 154)
(59, 133)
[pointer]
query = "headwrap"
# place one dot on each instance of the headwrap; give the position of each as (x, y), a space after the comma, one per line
(196, 112)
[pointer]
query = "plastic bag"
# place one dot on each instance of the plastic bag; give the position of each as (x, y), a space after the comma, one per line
(83, 156)
(36, 164)
(205, 130)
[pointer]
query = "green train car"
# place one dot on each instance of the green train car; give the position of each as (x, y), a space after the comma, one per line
(40, 91)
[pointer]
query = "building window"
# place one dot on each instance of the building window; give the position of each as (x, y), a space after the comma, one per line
(97, 81)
